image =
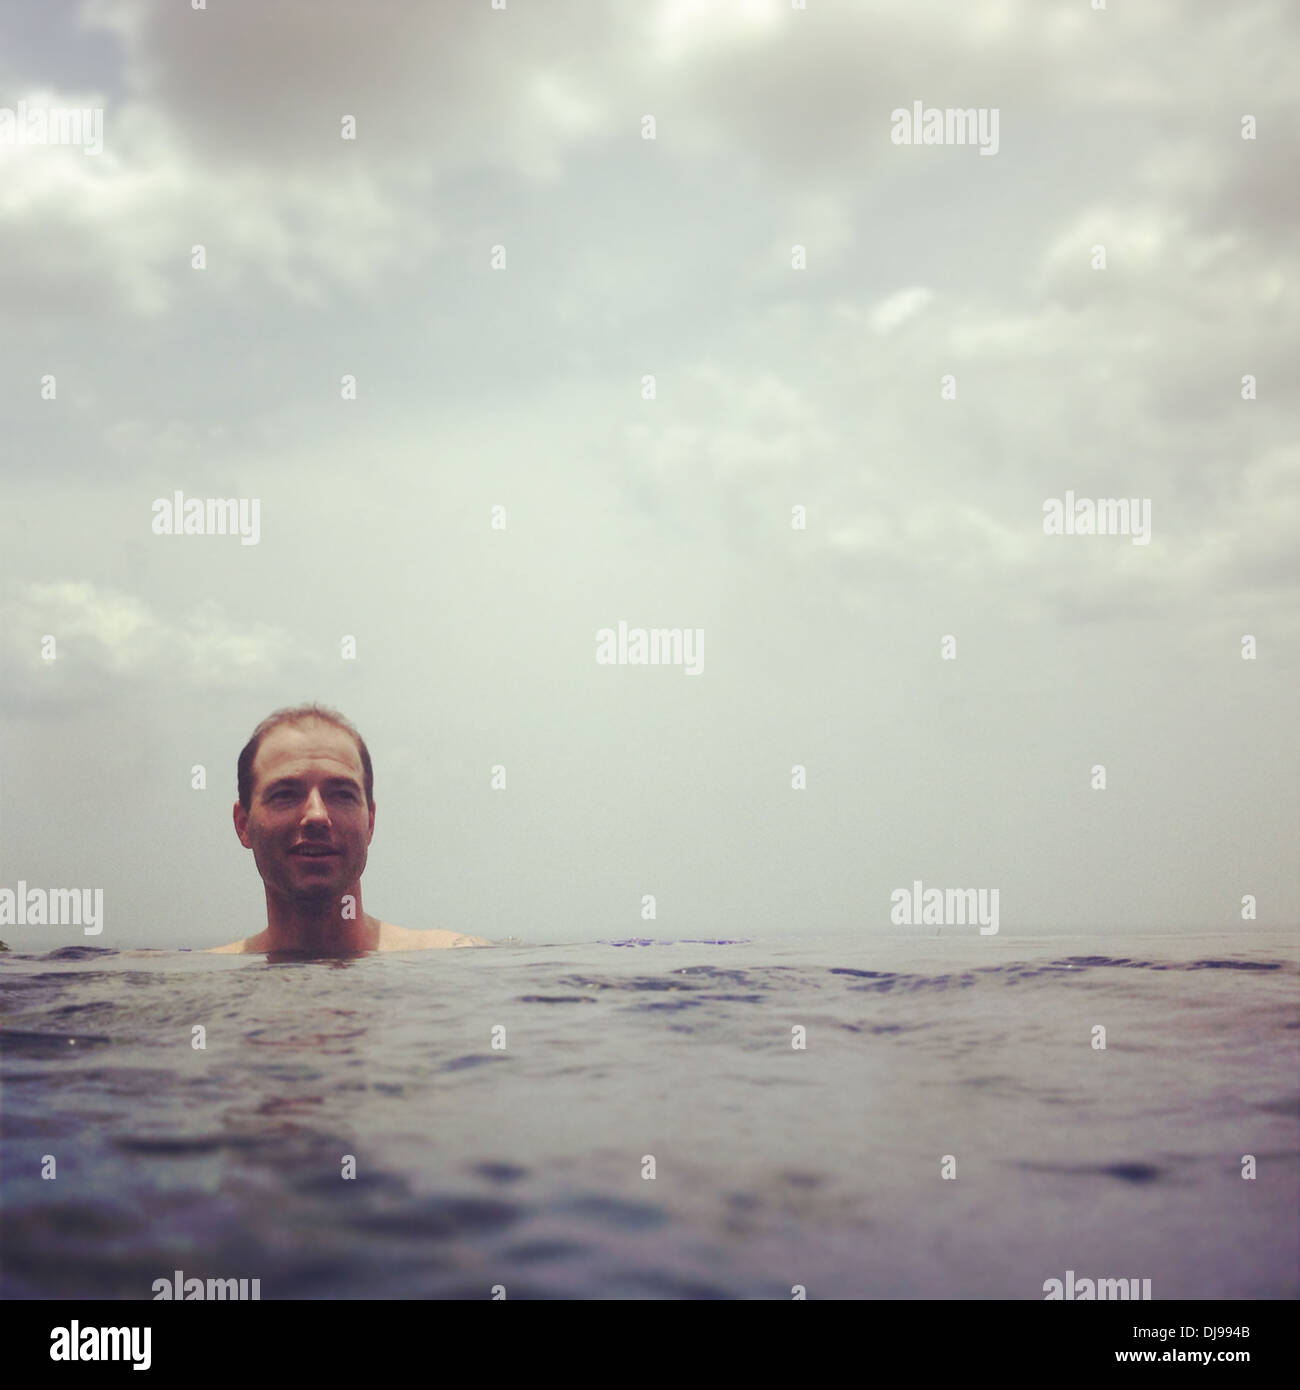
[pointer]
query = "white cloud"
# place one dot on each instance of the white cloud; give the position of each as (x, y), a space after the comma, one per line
(105, 637)
(895, 310)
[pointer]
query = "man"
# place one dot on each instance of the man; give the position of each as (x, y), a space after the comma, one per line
(306, 809)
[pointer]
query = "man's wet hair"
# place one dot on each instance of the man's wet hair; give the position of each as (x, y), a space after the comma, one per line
(299, 714)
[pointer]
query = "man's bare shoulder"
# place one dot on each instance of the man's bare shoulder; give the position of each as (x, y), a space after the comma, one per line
(393, 938)
(239, 948)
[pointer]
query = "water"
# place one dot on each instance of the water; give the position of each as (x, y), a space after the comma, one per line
(774, 1166)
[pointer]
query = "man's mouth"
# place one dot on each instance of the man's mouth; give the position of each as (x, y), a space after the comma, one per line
(314, 851)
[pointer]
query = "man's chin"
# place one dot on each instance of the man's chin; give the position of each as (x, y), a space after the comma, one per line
(313, 893)
(312, 869)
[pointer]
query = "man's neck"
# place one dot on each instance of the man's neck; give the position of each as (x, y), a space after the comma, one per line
(295, 927)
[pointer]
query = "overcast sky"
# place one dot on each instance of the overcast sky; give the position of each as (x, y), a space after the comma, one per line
(783, 378)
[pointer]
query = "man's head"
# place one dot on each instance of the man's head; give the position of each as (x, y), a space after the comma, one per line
(306, 803)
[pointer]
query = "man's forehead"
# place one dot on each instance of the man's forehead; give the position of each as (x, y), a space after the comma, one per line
(295, 747)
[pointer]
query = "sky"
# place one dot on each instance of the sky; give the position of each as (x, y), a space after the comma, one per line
(772, 377)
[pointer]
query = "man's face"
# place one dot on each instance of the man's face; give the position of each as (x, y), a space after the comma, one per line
(308, 796)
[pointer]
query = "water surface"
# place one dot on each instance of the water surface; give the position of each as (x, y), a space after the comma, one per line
(522, 1165)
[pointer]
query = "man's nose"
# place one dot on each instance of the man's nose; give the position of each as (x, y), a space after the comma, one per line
(315, 810)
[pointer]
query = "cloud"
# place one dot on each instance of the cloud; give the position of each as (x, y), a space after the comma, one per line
(107, 639)
(895, 310)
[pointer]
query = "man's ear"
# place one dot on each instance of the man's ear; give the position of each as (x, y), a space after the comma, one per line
(371, 833)
(241, 825)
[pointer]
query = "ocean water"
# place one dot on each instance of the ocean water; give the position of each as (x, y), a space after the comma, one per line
(525, 1165)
